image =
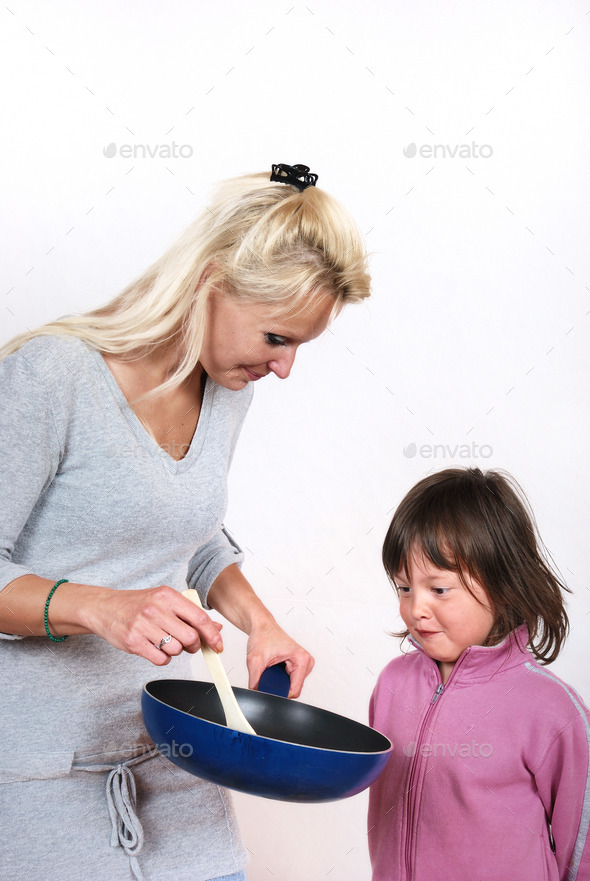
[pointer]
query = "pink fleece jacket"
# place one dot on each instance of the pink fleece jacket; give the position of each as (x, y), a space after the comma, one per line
(489, 776)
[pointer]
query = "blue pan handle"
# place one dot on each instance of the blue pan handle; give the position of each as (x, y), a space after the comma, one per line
(275, 680)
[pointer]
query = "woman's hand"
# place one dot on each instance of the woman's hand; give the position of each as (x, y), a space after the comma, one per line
(136, 621)
(268, 644)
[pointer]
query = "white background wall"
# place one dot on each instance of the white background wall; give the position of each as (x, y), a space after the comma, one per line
(472, 350)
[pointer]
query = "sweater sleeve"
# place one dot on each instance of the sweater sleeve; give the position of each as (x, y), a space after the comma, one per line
(214, 556)
(30, 451)
(563, 782)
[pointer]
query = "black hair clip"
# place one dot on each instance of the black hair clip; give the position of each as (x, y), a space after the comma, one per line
(298, 175)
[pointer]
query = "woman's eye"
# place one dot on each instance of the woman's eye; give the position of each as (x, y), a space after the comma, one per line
(274, 340)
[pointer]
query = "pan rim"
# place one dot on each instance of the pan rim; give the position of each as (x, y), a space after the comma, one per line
(288, 743)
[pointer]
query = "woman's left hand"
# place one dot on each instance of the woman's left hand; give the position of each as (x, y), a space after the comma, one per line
(268, 644)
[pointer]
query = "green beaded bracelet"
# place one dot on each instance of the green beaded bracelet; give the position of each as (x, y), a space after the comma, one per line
(45, 619)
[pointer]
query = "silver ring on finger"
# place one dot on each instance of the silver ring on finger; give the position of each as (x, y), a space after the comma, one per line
(165, 640)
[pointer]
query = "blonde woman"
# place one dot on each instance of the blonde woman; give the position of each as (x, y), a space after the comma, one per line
(117, 429)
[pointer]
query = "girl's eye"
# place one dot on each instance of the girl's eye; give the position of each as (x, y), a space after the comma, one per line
(402, 590)
(274, 340)
(440, 591)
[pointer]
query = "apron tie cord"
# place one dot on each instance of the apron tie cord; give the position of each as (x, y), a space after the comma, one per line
(126, 828)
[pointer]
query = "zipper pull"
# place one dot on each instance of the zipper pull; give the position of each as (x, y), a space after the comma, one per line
(438, 693)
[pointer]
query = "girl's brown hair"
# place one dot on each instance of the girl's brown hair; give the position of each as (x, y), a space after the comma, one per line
(479, 524)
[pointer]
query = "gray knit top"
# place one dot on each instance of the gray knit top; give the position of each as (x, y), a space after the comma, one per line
(89, 496)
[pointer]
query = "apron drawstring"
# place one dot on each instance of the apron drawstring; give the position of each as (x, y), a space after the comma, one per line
(126, 828)
(121, 792)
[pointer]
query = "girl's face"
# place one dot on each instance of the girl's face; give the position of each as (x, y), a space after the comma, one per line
(245, 341)
(442, 616)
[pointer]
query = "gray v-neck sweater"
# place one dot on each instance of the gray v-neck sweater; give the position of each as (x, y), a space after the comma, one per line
(88, 495)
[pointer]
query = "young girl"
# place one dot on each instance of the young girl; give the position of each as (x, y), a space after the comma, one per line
(490, 775)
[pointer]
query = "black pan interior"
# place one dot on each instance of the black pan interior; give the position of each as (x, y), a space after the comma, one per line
(273, 717)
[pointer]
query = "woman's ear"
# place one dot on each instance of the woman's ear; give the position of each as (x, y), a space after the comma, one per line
(206, 274)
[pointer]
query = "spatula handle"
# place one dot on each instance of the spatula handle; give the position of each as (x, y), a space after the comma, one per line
(234, 718)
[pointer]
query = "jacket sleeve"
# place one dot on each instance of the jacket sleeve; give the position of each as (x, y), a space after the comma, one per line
(563, 782)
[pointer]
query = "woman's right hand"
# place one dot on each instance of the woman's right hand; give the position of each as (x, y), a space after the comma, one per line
(134, 621)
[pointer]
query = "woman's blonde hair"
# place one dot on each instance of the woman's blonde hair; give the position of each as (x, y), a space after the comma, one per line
(258, 241)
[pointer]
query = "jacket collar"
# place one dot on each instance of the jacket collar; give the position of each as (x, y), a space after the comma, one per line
(483, 662)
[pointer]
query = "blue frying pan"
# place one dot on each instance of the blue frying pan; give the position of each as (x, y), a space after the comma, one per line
(299, 753)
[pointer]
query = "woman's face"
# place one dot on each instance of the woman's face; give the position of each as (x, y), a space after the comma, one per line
(246, 341)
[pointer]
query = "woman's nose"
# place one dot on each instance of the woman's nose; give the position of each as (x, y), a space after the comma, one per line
(282, 365)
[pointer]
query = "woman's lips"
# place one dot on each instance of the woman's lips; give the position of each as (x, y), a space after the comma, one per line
(253, 376)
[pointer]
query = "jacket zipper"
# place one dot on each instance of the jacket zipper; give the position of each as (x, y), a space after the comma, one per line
(413, 770)
(413, 773)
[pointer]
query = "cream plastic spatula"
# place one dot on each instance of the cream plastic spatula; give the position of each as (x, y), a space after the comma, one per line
(234, 718)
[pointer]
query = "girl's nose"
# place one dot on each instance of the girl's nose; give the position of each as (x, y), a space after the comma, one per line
(419, 608)
(282, 365)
